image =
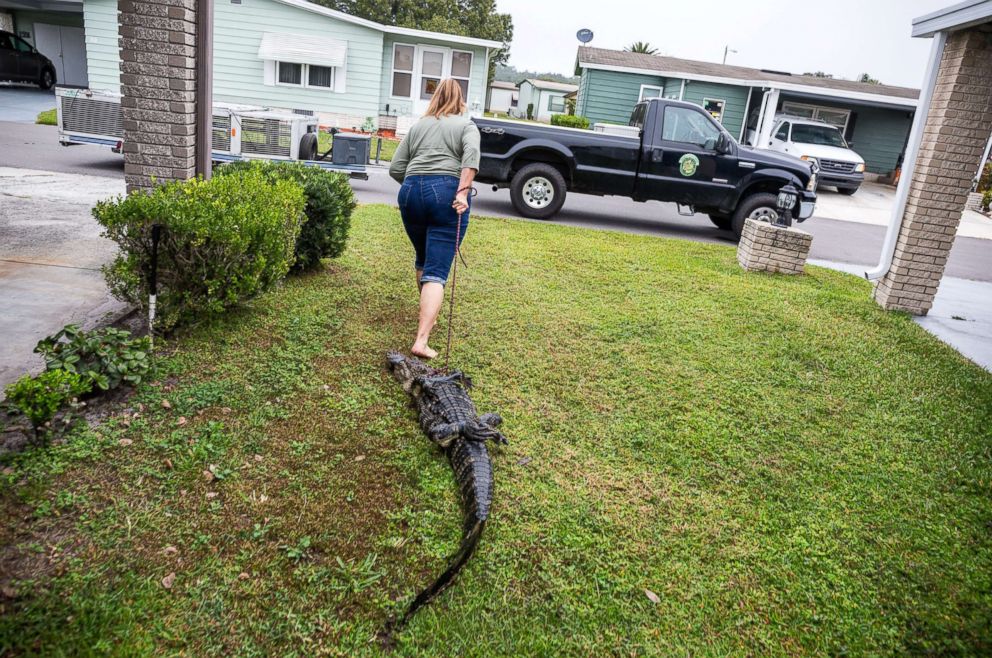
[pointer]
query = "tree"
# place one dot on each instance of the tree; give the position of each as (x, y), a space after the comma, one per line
(641, 47)
(470, 18)
(866, 77)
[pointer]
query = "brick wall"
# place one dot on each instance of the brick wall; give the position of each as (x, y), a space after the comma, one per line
(765, 247)
(954, 138)
(158, 62)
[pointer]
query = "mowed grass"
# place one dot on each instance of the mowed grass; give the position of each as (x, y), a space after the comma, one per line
(47, 118)
(788, 469)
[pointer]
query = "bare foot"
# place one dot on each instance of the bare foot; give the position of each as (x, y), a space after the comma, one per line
(423, 351)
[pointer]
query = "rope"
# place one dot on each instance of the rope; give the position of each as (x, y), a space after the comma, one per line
(454, 277)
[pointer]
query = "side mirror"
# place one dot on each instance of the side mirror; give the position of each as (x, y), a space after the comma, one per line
(723, 145)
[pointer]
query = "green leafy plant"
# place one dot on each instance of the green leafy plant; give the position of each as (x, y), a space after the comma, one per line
(40, 398)
(985, 178)
(298, 551)
(368, 125)
(987, 201)
(107, 357)
(330, 203)
(224, 241)
(530, 110)
(569, 121)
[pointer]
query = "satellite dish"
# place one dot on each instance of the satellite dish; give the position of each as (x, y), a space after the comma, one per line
(584, 35)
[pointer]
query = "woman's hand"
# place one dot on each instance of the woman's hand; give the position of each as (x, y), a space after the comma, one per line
(460, 204)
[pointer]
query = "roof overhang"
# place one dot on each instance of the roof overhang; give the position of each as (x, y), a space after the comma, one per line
(956, 17)
(72, 6)
(303, 49)
(826, 92)
(391, 29)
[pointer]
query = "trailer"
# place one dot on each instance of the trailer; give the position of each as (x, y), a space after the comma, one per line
(239, 132)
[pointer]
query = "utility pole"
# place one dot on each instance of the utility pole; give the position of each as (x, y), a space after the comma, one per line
(727, 49)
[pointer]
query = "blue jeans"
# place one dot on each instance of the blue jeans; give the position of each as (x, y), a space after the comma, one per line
(431, 222)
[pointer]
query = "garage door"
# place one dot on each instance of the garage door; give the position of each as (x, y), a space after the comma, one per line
(66, 47)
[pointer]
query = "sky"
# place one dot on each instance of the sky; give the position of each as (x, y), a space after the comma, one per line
(842, 37)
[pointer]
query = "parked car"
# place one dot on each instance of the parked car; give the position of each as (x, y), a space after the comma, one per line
(678, 153)
(822, 142)
(21, 62)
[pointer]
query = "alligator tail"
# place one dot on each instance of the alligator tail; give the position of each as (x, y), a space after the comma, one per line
(470, 539)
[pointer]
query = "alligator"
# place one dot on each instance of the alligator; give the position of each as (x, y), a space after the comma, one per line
(449, 418)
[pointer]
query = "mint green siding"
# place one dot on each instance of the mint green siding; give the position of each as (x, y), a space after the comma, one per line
(102, 44)
(734, 97)
(239, 74)
(24, 21)
(673, 88)
(878, 134)
(404, 106)
(609, 96)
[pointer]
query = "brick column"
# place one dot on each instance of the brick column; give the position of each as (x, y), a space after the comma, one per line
(954, 137)
(158, 61)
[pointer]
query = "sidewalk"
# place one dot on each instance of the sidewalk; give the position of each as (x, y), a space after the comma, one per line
(961, 315)
(50, 258)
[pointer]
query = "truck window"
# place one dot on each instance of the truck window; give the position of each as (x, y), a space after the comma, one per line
(688, 126)
(821, 135)
(783, 132)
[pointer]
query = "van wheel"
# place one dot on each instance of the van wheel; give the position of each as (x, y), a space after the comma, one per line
(538, 191)
(761, 206)
(722, 222)
(47, 79)
(308, 147)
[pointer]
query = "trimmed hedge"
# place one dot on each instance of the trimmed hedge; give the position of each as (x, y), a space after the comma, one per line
(330, 202)
(569, 121)
(224, 241)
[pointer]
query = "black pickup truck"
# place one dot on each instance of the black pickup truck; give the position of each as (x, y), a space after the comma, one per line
(675, 152)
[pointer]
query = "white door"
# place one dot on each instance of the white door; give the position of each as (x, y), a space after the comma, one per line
(74, 57)
(432, 65)
(66, 47)
(48, 41)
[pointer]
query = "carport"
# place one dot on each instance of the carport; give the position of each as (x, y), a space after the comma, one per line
(55, 28)
(946, 144)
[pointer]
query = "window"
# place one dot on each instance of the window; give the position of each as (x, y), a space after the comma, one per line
(783, 132)
(5, 42)
(649, 91)
(714, 108)
(431, 72)
(461, 70)
(688, 126)
(402, 71)
(290, 74)
(637, 116)
(320, 76)
(831, 115)
(514, 99)
(805, 133)
(23, 45)
(556, 103)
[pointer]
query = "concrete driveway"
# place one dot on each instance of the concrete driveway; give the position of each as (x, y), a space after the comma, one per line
(50, 258)
(22, 103)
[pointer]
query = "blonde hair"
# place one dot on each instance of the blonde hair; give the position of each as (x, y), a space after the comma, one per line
(447, 100)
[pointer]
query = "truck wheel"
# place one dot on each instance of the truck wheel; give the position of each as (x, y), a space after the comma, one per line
(849, 191)
(538, 191)
(308, 147)
(722, 222)
(761, 206)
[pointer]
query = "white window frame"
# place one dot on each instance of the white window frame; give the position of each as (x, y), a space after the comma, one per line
(304, 82)
(468, 80)
(564, 106)
(661, 92)
(412, 72)
(723, 108)
(816, 112)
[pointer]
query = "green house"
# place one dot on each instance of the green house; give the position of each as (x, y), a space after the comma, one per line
(293, 55)
(875, 118)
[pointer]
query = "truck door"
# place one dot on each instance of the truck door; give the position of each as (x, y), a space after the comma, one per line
(680, 162)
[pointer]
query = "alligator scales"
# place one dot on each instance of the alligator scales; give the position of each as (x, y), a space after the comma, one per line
(450, 420)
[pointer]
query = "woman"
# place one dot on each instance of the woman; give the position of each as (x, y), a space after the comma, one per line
(436, 164)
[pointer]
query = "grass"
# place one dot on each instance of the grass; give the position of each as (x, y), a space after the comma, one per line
(788, 469)
(47, 118)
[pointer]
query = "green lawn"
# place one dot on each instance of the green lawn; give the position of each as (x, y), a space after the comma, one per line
(787, 468)
(47, 118)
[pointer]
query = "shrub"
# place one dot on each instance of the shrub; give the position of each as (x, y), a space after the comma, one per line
(40, 398)
(987, 200)
(530, 111)
(569, 121)
(224, 241)
(985, 178)
(106, 357)
(330, 202)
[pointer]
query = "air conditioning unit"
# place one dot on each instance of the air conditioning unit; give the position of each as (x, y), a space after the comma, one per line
(274, 135)
(87, 116)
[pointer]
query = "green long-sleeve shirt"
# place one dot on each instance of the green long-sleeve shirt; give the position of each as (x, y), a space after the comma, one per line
(437, 147)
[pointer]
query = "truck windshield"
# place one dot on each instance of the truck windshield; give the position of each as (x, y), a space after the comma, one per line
(804, 133)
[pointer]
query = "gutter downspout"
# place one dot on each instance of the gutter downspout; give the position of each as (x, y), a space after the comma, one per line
(909, 164)
(747, 111)
(682, 90)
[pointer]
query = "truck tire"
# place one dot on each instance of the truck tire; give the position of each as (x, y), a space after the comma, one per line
(308, 147)
(722, 222)
(849, 191)
(761, 206)
(538, 191)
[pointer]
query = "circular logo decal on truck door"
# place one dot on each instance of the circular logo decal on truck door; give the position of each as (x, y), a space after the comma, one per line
(688, 164)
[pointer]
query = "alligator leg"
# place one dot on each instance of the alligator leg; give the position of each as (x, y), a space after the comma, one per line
(444, 433)
(492, 420)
